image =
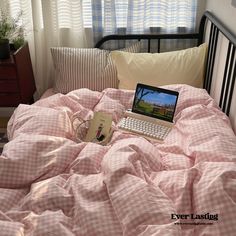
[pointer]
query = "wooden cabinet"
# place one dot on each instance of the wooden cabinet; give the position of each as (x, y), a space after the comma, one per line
(17, 83)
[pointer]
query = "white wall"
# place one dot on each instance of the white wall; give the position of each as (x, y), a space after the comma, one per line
(224, 11)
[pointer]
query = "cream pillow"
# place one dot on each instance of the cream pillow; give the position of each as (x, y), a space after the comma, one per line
(177, 67)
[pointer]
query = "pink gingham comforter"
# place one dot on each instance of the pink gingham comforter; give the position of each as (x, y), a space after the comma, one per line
(52, 185)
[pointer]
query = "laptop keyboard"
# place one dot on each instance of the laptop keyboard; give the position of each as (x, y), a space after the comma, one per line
(146, 128)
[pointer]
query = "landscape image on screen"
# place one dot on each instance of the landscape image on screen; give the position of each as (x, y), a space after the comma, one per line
(154, 103)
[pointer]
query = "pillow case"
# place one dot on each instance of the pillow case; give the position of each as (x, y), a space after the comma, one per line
(90, 68)
(176, 67)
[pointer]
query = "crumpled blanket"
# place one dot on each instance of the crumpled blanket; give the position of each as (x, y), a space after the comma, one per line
(51, 184)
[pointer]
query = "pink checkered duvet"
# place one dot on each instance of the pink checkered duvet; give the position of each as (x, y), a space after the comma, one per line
(52, 185)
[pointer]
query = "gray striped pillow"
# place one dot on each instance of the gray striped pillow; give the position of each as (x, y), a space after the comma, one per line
(90, 68)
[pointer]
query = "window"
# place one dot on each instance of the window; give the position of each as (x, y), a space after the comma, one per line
(157, 13)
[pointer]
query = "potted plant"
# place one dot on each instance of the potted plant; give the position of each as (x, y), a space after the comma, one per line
(11, 31)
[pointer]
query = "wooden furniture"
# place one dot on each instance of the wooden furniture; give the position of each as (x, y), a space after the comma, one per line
(17, 83)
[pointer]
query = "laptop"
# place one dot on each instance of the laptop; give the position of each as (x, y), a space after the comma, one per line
(152, 112)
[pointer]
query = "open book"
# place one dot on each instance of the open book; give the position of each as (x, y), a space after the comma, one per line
(99, 128)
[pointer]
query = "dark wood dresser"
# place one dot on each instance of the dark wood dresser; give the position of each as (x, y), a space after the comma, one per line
(17, 83)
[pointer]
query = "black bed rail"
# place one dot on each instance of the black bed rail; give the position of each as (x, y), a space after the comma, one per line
(199, 35)
(148, 37)
(216, 28)
(228, 81)
(220, 26)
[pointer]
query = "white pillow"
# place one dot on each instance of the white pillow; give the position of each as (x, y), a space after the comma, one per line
(90, 68)
(177, 67)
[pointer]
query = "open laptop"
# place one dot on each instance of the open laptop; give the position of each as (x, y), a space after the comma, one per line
(152, 112)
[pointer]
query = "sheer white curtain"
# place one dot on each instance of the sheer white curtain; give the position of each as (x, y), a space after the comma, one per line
(49, 24)
(146, 16)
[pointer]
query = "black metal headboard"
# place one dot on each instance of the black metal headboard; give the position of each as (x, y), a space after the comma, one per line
(216, 27)
(229, 77)
(147, 37)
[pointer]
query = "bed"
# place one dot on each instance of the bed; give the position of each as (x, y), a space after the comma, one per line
(53, 184)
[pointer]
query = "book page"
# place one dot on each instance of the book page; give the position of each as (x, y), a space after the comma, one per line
(99, 128)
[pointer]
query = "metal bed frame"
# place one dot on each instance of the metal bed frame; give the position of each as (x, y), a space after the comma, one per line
(216, 26)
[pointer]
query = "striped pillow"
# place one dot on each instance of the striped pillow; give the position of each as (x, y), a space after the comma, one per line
(90, 68)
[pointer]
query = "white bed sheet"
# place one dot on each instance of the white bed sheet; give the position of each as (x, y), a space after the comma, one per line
(49, 92)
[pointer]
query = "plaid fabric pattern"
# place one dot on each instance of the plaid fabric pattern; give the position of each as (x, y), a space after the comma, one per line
(85, 68)
(52, 185)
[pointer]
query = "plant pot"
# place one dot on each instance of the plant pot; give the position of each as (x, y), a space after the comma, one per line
(4, 49)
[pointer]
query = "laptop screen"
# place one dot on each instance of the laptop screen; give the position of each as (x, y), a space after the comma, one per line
(155, 102)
